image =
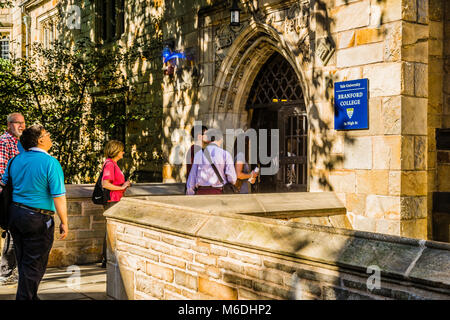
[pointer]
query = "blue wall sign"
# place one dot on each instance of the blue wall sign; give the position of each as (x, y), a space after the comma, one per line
(350, 105)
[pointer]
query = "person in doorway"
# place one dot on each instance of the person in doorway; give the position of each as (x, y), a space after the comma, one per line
(10, 146)
(38, 191)
(113, 179)
(200, 141)
(202, 178)
(241, 151)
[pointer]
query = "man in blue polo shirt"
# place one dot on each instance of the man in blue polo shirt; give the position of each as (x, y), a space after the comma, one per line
(38, 191)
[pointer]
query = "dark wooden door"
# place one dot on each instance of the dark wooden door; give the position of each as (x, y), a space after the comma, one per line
(292, 173)
(277, 101)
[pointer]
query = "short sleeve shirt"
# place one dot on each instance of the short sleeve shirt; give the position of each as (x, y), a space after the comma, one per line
(113, 173)
(37, 178)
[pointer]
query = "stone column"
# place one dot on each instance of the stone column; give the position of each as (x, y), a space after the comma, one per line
(414, 116)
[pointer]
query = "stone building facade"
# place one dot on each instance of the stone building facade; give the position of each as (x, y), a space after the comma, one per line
(385, 175)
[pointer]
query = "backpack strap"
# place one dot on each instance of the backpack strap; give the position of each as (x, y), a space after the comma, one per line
(208, 156)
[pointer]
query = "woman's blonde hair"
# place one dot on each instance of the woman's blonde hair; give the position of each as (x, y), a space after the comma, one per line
(113, 148)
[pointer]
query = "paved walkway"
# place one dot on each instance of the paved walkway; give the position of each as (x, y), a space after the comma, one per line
(64, 284)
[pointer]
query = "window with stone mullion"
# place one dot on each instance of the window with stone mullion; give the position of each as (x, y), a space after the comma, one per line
(4, 48)
(110, 20)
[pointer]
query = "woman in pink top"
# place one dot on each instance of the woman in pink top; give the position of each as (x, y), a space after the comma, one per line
(113, 178)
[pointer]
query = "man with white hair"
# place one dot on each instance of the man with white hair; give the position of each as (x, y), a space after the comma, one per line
(10, 146)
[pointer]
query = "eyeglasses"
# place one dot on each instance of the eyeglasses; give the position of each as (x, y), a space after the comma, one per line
(45, 134)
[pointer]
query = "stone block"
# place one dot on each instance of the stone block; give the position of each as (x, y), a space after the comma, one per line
(443, 180)
(413, 208)
(436, 29)
(349, 74)
(436, 47)
(372, 182)
(351, 16)
(364, 224)
(408, 152)
(435, 93)
(414, 115)
(421, 80)
(392, 43)
(79, 223)
(159, 272)
(369, 35)
(391, 115)
(358, 153)
(173, 262)
(74, 208)
(216, 290)
(414, 183)
(274, 290)
(409, 10)
(230, 264)
(417, 52)
(253, 271)
(422, 11)
(387, 10)
(218, 251)
(343, 181)
(185, 255)
(394, 183)
(383, 207)
(238, 280)
(416, 228)
(186, 280)
(245, 294)
(360, 55)
(346, 39)
(385, 226)
(384, 79)
(420, 152)
(246, 257)
(148, 286)
(356, 203)
(386, 152)
(206, 259)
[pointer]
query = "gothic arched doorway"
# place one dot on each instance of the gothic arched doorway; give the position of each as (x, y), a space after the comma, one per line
(276, 102)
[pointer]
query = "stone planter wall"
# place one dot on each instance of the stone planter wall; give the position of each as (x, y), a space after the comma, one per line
(164, 252)
(87, 225)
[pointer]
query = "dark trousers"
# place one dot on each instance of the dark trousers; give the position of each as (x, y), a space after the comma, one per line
(8, 261)
(33, 238)
(106, 207)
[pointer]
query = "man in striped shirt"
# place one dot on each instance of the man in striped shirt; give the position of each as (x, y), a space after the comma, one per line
(10, 146)
(202, 178)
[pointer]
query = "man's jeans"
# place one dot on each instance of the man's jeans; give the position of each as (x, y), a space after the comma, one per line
(8, 261)
(33, 238)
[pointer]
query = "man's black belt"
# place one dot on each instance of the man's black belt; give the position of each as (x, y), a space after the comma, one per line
(42, 211)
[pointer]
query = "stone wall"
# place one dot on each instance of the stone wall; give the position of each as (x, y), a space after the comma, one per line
(157, 253)
(87, 225)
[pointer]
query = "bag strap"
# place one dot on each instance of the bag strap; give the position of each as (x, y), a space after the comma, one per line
(9, 168)
(208, 156)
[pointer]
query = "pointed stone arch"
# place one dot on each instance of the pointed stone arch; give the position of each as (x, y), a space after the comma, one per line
(246, 56)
